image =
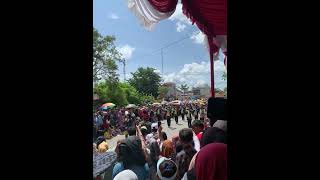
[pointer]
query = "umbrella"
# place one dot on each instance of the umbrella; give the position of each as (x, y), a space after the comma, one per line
(164, 102)
(200, 101)
(131, 106)
(107, 106)
(156, 104)
(176, 102)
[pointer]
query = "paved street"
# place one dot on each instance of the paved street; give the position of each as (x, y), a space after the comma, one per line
(174, 129)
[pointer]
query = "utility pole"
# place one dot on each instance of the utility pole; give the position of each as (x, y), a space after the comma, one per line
(124, 70)
(162, 63)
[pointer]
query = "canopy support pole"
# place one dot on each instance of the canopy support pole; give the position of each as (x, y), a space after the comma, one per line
(210, 39)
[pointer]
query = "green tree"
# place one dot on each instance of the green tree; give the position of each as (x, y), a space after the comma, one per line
(101, 90)
(105, 56)
(110, 92)
(146, 81)
(146, 99)
(115, 93)
(132, 95)
(184, 88)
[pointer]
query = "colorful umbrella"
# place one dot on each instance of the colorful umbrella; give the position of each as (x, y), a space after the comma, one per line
(107, 106)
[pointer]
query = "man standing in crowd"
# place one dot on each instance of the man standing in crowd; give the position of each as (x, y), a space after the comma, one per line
(189, 117)
(198, 127)
(151, 115)
(186, 136)
(159, 114)
(175, 111)
(195, 112)
(168, 115)
(182, 112)
(202, 113)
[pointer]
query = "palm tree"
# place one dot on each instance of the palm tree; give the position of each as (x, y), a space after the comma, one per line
(184, 87)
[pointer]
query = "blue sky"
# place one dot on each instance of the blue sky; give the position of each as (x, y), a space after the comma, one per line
(184, 62)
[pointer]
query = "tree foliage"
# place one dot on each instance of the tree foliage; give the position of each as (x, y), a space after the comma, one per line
(184, 87)
(132, 95)
(120, 94)
(108, 92)
(146, 81)
(105, 56)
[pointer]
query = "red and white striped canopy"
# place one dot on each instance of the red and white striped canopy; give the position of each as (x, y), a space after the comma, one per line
(209, 15)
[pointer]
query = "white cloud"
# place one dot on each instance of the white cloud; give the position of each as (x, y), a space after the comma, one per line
(180, 26)
(198, 37)
(182, 20)
(113, 16)
(198, 75)
(196, 68)
(201, 83)
(126, 51)
(179, 16)
(157, 71)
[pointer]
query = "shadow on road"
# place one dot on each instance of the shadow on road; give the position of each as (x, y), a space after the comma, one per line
(172, 128)
(179, 124)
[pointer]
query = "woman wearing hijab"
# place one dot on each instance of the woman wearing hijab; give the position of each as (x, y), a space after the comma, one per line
(126, 175)
(211, 135)
(210, 163)
(166, 169)
(131, 156)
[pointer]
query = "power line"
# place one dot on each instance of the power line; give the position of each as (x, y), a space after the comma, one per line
(166, 46)
(160, 50)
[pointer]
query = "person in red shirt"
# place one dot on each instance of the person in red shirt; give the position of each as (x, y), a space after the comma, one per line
(197, 127)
